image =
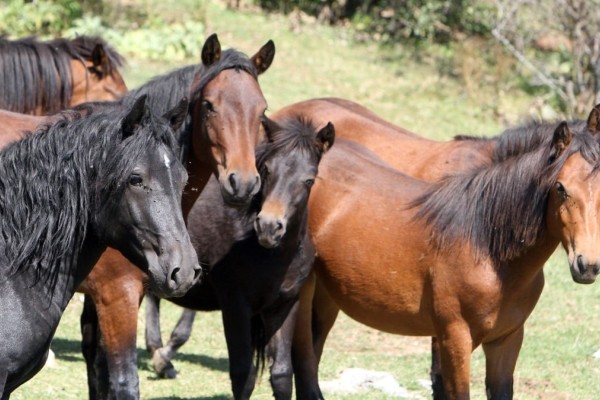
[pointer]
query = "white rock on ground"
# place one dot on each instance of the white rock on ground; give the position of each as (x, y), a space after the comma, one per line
(597, 355)
(352, 380)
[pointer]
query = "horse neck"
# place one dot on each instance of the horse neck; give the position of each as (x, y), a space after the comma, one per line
(89, 254)
(526, 268)
(199, 174)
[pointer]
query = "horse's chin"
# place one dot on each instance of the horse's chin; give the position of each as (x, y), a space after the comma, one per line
(268, 242)
(584, 279)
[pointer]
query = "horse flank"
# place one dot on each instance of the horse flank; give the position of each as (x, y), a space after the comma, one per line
(486, 205)
(29, 66)
(52, 181)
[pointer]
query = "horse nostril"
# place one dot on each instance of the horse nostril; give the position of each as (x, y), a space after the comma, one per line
(174, 274)
(233, 182)
(279, 225)
(580, 264)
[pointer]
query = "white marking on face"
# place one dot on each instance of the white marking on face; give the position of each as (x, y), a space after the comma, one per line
(167, 161)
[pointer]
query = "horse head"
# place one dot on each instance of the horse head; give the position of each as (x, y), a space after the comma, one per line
(228, 109)
(288, 164)
(144, 220)
(574, 201)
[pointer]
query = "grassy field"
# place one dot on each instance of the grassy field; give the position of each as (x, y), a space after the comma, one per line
(556, 361)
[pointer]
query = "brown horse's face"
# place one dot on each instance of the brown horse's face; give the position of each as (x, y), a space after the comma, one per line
(230, 114)
(93, 82)
(574, 215)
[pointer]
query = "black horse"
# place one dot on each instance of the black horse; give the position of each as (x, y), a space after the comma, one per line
(67, 192)
(257, 257)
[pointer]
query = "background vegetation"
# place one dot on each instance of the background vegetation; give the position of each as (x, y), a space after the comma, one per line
(437, 71)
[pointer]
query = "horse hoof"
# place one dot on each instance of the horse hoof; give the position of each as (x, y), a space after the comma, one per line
(162, 366)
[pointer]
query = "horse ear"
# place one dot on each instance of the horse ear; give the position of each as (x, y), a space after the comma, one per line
(326, 136)
(270, 127)
(264, 57)
(134, 117)
(211, 51)
(100, 60)
(593, 121)
(562, 137)
(177, 115)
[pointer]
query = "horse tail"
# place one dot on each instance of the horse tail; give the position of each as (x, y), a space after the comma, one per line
(259, 343)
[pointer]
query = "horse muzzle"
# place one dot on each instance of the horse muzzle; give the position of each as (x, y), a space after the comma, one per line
(269, 230)
(174, 272)
(583, 270)
(238, 190)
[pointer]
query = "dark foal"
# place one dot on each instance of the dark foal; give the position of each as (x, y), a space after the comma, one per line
(258, 257)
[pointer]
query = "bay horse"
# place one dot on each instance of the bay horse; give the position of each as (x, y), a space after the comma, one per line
(45, 77)
(218, 135)
(468, 251)
(69, 190)
(257, 257)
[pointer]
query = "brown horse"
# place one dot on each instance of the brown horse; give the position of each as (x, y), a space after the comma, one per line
(480, 276)
(219, 136)
(412, 154)
(425, 159)
(46, 77)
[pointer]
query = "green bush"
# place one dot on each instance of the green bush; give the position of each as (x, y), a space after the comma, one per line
(38, 17)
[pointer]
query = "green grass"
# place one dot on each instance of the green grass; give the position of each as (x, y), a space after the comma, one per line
(563, 332)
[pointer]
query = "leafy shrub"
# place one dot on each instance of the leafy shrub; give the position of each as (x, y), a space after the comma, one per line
(154, 40)
(40, 17)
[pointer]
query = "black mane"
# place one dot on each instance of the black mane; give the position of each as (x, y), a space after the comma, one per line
(54, 180)
(289, 136)
(38, 74)
(486, 206)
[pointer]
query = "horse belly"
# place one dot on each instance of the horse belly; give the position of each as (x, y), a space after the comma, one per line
(381, 302)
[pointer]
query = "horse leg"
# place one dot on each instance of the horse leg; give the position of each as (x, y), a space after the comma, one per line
(500, 360)
(117, 320)
(437, 382)
(237, 323)
(324, 314)
(162, 355)
(153, 338)
(280, 350)
(89, 345)
(304, 358)
(456, 345)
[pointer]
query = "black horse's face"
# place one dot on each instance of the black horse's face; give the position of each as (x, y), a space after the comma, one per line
(286, 186)
(288, 174)
(146, 224)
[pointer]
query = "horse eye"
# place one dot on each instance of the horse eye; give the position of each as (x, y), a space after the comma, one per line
(135, 180)
(309, 183)
(560, 189)
(208, 105)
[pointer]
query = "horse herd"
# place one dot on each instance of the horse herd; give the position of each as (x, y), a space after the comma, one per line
(184, 189)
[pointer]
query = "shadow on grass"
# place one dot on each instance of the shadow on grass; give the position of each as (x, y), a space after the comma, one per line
(66, 349)
(216, 364)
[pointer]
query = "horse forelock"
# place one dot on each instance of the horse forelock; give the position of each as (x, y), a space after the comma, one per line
(230, 59)
(290, 136)
(50, 183)
(500, 209)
